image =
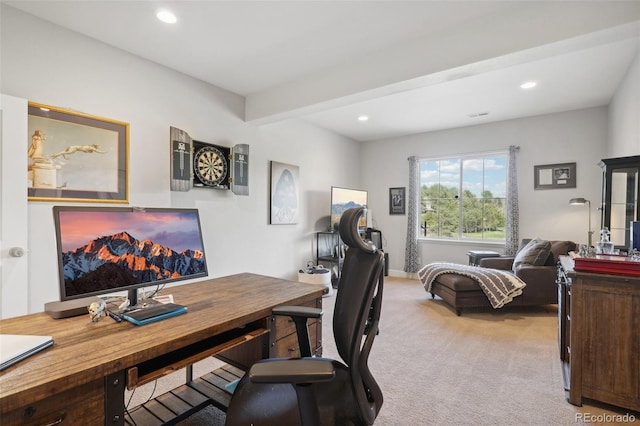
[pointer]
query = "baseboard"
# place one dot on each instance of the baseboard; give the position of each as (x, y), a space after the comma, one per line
(402, 274)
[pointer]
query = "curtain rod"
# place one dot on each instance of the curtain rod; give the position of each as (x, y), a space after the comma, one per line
(468, 154)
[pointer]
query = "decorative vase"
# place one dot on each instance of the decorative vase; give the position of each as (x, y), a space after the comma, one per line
(604, 246)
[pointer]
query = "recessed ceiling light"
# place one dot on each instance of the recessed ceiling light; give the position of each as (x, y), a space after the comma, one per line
(166, 16)
(363, 117)
(528, 85)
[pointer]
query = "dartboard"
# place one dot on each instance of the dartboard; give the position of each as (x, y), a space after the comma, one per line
(210, 166)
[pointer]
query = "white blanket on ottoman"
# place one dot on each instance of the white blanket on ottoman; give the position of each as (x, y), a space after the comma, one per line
(499, 286)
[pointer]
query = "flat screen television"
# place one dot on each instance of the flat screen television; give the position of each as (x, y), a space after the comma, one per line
(104, 250)
(343, 199)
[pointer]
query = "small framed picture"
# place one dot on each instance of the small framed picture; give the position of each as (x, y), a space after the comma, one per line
(397, 200)
(285, 194)
(554, 176)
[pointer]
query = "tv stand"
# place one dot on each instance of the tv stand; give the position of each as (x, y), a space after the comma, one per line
(328, 253)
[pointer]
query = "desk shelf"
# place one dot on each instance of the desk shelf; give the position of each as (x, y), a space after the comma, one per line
(185, 400)
(171, 362)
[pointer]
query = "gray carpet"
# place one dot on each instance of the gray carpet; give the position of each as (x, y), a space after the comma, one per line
(483, 368)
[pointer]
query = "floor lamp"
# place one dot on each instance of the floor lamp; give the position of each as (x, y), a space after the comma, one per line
(582, 202)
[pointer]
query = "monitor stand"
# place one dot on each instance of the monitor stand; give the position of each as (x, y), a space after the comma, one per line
(135, 302)
(69, 308)
(132, 295)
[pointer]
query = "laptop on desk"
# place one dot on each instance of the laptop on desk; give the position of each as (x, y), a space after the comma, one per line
(16, 347)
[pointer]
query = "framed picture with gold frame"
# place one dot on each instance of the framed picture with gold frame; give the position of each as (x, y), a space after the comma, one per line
(76, 157)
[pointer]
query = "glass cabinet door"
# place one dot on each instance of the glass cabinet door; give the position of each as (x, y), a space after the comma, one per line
(621, 191)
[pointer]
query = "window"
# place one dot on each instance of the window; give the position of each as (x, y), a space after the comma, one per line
(464, 198)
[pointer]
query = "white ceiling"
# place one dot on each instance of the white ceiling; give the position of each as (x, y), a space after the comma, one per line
(411, 66)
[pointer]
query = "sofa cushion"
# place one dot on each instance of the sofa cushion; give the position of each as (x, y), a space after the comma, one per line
(534, 253)
(559, 248)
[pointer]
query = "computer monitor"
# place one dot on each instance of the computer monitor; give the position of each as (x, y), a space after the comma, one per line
(104, 250)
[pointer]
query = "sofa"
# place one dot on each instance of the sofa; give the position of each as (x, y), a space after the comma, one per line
(534, 263)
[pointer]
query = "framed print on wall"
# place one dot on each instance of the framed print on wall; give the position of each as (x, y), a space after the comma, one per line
(285, 194)
(76, 157)
(554, 176)
(397, 200)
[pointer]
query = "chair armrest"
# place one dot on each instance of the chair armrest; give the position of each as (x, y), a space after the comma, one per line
(297, 311)
(294, 371)
(300, 315)
(502, 262)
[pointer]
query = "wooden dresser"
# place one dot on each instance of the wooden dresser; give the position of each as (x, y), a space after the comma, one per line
(599, 336)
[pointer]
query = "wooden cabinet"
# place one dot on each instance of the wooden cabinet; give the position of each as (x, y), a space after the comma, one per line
(564, 323)
(620, 193)
(85, 402)
(599, 335)
(281, 342)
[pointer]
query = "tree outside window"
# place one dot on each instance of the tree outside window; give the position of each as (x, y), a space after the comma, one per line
(464, 198)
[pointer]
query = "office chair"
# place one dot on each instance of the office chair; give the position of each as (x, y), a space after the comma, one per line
(312, 391)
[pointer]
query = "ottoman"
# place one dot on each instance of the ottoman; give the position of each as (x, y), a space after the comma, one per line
(459, 292)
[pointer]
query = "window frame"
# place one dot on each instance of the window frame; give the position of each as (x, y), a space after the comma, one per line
(460, 197)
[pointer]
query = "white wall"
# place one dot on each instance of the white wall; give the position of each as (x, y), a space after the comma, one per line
(575, 136)
(45, 63)
(624, 115)
(13, 209)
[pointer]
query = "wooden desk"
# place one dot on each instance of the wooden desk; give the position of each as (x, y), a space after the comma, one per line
(81, 379)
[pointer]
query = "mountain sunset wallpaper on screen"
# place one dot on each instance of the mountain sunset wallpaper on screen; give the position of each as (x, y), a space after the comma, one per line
(103, 249)
(176, 230)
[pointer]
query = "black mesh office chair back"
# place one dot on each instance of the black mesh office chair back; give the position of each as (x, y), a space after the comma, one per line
(350, 396)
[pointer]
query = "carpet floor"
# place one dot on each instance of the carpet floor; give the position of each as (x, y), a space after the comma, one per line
(486, 367)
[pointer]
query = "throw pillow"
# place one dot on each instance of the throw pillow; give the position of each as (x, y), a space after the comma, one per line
(559, 248)
(534, 253)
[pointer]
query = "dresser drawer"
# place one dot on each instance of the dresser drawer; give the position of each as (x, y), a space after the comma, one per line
(82, 405)
(285, 326)
(288, 346)
(285, 339)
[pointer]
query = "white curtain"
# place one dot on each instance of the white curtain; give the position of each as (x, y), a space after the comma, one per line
(411, 255)
(512, 241)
